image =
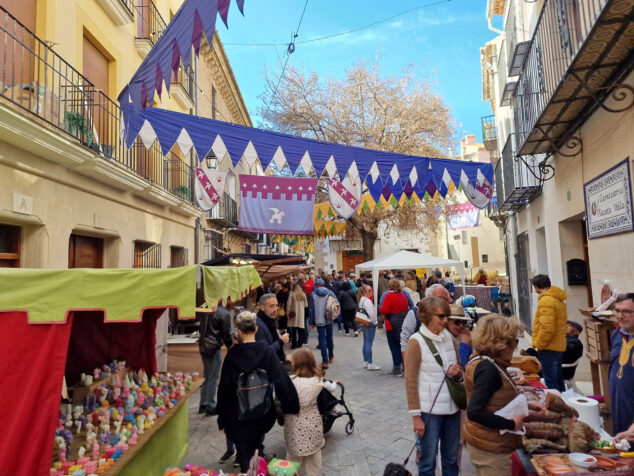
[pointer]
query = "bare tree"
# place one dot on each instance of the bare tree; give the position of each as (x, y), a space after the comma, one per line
(391, 113)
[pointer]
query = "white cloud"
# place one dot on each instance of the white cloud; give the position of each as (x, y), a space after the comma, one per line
(424, 19)
(397, 24)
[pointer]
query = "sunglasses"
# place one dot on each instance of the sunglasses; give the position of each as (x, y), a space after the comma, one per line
(442, 316)
(459, 322)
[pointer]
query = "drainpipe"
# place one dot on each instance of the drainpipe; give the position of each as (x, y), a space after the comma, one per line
(511, 247)
(197, 240)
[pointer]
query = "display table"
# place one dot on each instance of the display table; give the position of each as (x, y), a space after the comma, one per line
(482, 295)
(162, 446)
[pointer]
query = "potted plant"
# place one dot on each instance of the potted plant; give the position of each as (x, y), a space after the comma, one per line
(76, 123)
(182, 191)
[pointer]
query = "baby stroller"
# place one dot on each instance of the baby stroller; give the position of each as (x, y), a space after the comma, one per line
(326, 402)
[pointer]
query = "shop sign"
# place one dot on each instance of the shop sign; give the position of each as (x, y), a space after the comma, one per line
(608, 201)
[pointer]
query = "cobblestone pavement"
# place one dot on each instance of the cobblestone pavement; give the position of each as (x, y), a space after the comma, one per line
(382, 431)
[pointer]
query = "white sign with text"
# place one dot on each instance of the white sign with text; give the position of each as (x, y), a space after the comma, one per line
(608, 201)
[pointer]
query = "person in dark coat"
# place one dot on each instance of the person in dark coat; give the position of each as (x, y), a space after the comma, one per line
(348, 301)
(574, 349)
(267, 325)
(247, 356)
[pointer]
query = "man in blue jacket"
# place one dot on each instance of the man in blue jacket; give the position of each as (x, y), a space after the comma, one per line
(318, 314)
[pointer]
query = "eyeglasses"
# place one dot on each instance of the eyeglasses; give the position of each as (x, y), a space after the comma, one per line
(441, 316)
(459, 322)
(624, 312)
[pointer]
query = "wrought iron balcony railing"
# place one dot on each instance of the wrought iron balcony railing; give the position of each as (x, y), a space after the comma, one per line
(226, 211)
(150, 23)
(520, 177)
(489, 133)
(38, 80)
(186, 78)
(129, 6)
(576, 54)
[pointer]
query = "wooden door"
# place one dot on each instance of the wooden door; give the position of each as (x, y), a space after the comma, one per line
(85, 252)
(96, 67)
(351, 258)
(16, 46)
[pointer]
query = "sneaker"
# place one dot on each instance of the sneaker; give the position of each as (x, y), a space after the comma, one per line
(236, 463)
(227, 456)
(340, 331)
(211, 411)
(365, 364)
(332, 359)
(356, 333)
(324, 366)
(347, 334)
(202, 409)
(372, 366)
(396, 372)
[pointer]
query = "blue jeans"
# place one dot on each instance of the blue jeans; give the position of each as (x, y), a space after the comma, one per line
(211, 372)
(446, 429)
(339, 321)
(368, 339)
(326, 344)
(394, 342)
(552, 370)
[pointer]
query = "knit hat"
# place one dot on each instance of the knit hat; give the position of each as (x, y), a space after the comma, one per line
(320, 282)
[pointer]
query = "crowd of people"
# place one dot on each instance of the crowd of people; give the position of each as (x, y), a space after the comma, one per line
(448, 365)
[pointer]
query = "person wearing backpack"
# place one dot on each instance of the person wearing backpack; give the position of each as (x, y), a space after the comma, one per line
(246, 410)
(322, 311)
(348, 301)
(215, 330)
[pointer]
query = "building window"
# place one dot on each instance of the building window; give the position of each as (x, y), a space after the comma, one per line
(10, 246)
(213, 244)
(213, 102)
(147, 254)
(246, 249)
(178, 256)
(485, 258)
(464, 237)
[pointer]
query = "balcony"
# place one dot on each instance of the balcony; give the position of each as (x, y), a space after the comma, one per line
(489, 133)
(578, 54)
(183, 84)
(225, 213)
(51, 109)
(517, 180)
(150, 26)
(516, 48)
(121, 12)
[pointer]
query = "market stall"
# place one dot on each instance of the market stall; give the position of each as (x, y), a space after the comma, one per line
(58, 325)
(407, 260)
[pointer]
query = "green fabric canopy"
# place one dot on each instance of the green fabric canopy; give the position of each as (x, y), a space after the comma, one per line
(48, 294)
(222, 282)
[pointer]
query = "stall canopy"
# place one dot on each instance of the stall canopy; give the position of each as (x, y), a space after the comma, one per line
(63, 322)
(406, 260)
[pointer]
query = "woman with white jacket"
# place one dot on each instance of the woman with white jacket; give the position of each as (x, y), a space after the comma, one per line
(304, 432)
(367, 307)
(424, 377)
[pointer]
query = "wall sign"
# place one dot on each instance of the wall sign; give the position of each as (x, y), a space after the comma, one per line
(608, 201)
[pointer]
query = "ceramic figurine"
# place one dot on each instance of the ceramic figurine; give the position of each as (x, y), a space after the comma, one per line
(81, 452)
(88, 380)
(77, 426)
(95, 373)
(95, 451)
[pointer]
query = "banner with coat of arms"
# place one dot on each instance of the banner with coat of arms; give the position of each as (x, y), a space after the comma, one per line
(209, 186)
(345, 196)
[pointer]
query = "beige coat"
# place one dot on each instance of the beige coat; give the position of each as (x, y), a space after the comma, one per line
(296, 302)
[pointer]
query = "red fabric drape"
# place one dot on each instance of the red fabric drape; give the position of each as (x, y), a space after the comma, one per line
(94, 343)
(32, 360)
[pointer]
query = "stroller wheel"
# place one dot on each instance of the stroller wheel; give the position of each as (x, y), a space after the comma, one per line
(349, 427)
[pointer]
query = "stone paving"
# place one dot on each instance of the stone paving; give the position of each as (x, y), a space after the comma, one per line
(382, 431)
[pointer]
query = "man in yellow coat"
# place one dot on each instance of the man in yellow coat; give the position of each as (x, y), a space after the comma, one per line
(549, 330)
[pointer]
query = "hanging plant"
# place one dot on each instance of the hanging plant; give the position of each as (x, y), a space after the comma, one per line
(183, 191)
(76, 123)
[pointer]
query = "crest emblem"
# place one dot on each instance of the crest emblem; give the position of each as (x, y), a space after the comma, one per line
(345, 196)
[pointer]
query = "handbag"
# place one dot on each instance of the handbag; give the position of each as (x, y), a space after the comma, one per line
(362, 317)
(456, 389)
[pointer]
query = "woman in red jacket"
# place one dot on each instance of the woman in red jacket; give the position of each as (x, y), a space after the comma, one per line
(394, 308)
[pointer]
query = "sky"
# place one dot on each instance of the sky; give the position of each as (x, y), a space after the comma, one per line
(441, 41)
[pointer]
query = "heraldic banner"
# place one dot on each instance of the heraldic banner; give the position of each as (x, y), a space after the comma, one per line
(282, 205)
(209, 186)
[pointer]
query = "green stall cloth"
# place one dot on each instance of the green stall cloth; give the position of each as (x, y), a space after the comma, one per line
(222, 282)
(167, 447)
(48, 294)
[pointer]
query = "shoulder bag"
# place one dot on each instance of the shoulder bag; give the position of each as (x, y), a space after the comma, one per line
(362, 317)
(456, 389)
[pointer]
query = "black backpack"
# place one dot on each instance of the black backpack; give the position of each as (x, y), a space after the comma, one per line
(255, 397)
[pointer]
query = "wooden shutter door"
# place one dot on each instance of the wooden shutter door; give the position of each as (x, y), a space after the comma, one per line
(96, 68)
(85, 252)
(17, 44)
